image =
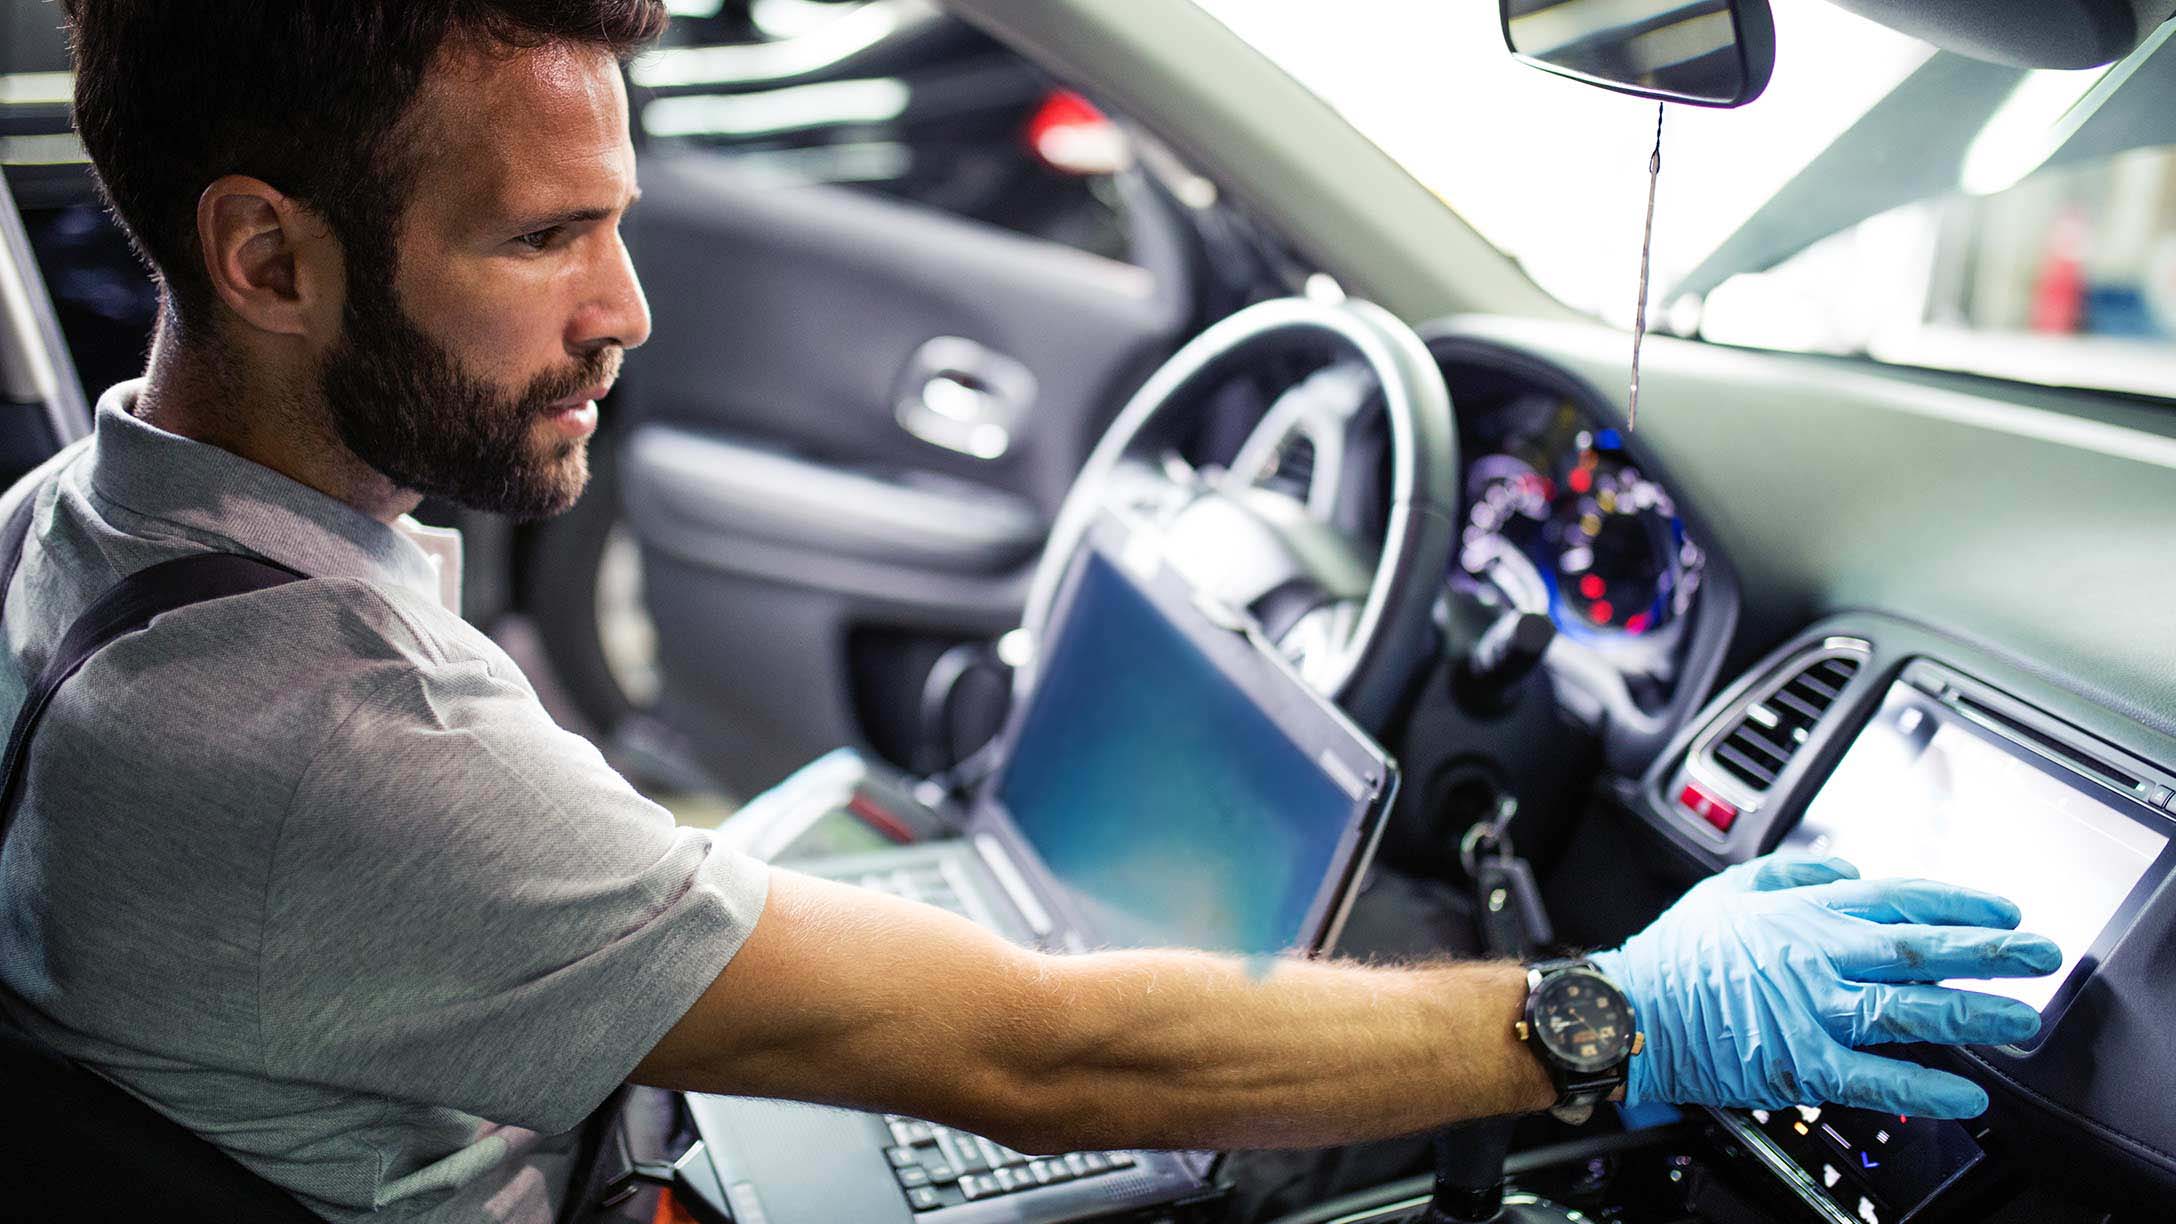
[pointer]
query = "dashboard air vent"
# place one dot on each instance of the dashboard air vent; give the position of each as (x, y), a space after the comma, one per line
(1757, 746)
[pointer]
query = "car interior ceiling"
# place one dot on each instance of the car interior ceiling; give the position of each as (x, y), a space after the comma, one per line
(1639, 655)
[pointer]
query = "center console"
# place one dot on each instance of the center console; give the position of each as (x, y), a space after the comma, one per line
(1952, 780)
(1856, 1167)
(1908, 753)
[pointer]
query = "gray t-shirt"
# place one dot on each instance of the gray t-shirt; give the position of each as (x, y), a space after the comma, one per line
(312, 872)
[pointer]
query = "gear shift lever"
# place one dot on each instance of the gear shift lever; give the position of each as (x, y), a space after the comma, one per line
(1470, 1181)
(1469, 1173)
(1469, 1185)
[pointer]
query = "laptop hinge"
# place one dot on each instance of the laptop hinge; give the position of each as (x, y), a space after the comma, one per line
(1015, 885)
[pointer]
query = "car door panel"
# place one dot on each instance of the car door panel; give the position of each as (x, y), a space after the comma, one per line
(796, 311)
(709, 500)
(787, 470)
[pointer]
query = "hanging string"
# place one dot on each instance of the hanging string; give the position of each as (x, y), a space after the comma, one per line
(1647, 242)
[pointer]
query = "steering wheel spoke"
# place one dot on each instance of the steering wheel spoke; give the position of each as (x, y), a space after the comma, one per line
(1311, 643)
(1353, 612)
(1151, 490)
(1305, 442)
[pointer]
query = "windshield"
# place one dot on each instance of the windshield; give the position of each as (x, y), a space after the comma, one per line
(1881, 198)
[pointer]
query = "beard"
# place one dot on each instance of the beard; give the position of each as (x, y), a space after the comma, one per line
(406, 407)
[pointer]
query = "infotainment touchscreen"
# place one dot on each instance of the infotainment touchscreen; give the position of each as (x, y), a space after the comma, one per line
(1931, 789)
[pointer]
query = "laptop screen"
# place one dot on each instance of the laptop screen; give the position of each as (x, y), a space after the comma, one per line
(1169, 807)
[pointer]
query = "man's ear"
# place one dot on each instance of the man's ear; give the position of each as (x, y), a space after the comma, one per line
(271, 259)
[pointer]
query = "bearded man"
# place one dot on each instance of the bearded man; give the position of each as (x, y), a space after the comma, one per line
(311, 872)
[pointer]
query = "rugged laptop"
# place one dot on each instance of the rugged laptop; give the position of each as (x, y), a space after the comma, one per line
(1166, 781)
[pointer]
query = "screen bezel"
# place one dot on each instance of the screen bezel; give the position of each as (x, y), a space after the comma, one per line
(1251, 664)
(2037, 742)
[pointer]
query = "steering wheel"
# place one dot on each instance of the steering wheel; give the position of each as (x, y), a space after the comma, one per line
(1351, 614)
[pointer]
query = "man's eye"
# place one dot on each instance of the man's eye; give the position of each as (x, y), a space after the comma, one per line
(537, 240)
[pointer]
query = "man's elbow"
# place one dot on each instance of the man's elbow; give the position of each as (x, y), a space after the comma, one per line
(1036, 1089)
(998, 1103)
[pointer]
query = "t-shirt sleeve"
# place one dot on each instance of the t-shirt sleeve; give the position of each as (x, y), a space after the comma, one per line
(468, 907)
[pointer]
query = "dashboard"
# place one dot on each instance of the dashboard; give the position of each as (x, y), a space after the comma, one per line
(1910, 751)
(1566, 514)
(1841, 659)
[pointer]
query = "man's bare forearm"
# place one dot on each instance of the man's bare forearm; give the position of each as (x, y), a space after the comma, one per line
(1186, 1050)
(851, 998)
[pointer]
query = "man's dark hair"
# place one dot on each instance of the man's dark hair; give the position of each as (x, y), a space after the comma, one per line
(307, 95)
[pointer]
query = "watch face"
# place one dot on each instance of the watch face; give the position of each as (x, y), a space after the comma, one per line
(1582, 1021)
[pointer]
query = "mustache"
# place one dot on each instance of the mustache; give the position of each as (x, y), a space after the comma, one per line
(602, 366)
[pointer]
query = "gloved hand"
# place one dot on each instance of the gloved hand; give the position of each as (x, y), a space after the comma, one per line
(1756, 987)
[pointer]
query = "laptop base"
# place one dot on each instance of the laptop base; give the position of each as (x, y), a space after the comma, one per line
(782, 1162)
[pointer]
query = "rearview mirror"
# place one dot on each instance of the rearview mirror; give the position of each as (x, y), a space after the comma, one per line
(1705, 52)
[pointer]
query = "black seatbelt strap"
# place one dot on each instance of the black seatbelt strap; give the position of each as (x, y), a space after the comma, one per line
(128, 607)
(90, 1145)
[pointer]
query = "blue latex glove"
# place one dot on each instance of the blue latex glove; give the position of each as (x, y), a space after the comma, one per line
(1756, 987)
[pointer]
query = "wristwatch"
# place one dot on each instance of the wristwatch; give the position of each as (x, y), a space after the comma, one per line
(1582, 1028)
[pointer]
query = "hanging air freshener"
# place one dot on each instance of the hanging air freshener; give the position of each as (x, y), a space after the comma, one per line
(1647, 242)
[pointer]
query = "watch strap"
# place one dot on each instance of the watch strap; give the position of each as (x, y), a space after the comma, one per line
(1537, 970)
(1577, 1092)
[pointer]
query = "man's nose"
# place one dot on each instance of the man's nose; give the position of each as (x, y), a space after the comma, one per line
(613, 310)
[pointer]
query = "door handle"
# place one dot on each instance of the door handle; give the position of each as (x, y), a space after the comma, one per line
(964, 397)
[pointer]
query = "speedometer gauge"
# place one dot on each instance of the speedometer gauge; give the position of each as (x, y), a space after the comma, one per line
(1561, 520)
(1616, 538)
(1505, 529)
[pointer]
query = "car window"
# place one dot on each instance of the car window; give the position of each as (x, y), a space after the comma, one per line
(2065, 276)
(891, 97)
(1882, 198)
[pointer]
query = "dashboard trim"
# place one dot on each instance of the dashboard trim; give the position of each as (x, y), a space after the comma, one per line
(2092, 767)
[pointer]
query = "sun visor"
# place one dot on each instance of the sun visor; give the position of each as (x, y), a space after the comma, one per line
(2025, 33)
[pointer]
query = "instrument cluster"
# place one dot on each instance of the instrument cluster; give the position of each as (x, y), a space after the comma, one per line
(1561, 519)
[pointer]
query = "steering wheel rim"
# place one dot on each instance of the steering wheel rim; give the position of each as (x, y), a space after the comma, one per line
(1397, 615)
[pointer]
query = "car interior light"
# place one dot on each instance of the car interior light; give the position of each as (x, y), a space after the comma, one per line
(43, 149)
(850, 34)
(828, 104)
(784, 19)
(36, 88)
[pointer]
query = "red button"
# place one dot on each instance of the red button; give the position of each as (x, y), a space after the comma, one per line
(1716, 811)
(876, 817)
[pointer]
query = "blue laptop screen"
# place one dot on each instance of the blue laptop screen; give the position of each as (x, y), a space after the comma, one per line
(1172, 810)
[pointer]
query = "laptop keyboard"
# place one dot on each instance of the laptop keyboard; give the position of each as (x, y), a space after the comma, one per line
(941, 1167)
(923, 882)
(937, 1166)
